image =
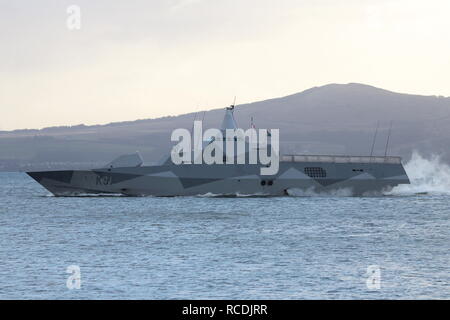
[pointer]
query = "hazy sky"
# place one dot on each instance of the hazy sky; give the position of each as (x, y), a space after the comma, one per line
(136, 59)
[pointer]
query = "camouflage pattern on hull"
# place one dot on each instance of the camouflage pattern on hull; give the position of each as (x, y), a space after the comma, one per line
(358, 178)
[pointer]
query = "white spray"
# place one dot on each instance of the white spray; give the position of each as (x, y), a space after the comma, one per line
(310, 192)
(430, 176)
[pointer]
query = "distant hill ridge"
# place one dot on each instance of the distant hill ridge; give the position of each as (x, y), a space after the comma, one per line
(331, 119)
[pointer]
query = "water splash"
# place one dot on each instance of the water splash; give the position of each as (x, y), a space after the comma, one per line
(427, 176)
(232, 195)
(311, 192)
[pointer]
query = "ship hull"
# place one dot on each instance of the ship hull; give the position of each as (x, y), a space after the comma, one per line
(304, 178)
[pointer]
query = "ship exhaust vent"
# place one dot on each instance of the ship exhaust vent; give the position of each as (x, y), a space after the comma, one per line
(315, 172)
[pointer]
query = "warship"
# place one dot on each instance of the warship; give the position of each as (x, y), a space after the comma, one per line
(319, 174)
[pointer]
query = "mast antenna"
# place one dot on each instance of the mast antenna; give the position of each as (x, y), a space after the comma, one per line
(374, 139)
(195, 118)
(203, 118)
(233, 105)
(388, 138)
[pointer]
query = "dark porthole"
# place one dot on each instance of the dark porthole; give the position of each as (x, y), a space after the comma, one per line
(270, 182)
(263, 183)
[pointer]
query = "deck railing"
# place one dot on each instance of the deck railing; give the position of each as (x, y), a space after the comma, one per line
(340, 159)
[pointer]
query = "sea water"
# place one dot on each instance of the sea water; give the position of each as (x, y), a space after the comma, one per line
(394, 246)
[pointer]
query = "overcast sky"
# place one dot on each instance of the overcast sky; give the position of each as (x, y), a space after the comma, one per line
(135, 59)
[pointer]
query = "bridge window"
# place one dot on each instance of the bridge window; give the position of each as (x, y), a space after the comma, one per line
(315, 172)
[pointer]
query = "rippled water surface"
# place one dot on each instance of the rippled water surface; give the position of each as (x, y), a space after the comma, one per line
(213, 248)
